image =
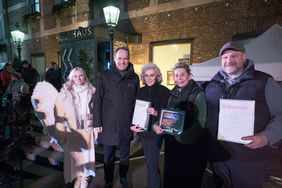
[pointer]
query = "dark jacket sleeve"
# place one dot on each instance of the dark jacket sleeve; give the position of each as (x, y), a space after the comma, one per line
(98, 101)
(273, 130)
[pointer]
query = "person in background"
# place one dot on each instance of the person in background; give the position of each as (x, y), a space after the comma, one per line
(7, 75)
(53, 75)
(29, 74)
(74, 128)
(244, 165)
(158, 95)
(113, 109)
(185, 154)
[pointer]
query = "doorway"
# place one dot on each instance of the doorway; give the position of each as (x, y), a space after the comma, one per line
(38, 62)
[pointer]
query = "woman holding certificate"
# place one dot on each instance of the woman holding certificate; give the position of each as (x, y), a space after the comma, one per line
(185, 151)
(158, 96)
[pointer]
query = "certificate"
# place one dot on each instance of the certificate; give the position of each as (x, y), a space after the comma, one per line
(172, 121)
(140, 115)
(236, 120)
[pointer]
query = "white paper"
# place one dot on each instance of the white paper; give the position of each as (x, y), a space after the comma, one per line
(140, 115)
(236, 120)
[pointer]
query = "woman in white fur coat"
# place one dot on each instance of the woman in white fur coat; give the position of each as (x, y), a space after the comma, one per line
(74, 131)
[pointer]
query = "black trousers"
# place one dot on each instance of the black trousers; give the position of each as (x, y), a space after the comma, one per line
(184, 165)
(151, 148)
(240, 174)
(109, 160)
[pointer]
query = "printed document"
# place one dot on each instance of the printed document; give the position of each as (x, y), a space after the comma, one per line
(236, 120)
(140, 115)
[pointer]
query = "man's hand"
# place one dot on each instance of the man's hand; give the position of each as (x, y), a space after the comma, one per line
(257, 141)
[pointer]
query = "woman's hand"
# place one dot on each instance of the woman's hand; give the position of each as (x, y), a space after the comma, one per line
(158, 129)
(152, 111)
(136, 128)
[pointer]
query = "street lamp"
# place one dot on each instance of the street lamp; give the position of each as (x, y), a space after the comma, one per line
(111, 16)
(18, 37)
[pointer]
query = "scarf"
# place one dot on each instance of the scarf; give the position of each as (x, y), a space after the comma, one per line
(81, 101)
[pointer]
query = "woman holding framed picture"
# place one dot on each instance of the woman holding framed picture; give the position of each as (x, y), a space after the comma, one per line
(185, 152)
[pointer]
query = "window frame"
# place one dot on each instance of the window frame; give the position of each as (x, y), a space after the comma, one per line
(35, 6)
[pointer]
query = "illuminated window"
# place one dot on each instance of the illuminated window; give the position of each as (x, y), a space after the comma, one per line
(35, 6)
(166, 53)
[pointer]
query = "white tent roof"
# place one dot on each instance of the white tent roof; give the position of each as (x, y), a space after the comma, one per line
(265, 50)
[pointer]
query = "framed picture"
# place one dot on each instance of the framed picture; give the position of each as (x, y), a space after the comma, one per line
(170, 78)
(172, 121)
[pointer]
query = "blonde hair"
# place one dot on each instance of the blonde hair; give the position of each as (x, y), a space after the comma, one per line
(68, 85)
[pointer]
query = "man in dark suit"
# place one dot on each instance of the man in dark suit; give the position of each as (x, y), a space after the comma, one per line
(113, 109)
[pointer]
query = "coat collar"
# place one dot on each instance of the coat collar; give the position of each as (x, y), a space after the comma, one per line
(129, 72)
(247, 74)
(184, 91)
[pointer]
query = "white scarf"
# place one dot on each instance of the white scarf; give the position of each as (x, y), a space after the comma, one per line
(81, 100)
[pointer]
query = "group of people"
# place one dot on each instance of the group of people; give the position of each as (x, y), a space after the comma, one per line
(15, 101)
(106, 112)
(27, 73)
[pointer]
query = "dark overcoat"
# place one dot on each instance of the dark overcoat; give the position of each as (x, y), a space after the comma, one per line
(114, 102)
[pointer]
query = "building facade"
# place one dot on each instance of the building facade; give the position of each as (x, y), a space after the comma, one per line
(160, 31)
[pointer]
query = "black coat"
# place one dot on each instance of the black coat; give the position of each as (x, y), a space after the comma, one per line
(54, 77)
(114, 101)
(158, 96)
(30, 76)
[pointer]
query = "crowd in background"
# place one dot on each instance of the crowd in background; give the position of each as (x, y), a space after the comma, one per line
(16, 87)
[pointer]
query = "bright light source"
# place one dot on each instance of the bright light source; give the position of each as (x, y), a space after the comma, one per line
(17, 35)
(111, 15)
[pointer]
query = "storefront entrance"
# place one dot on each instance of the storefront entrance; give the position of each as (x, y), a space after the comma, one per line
(77, 49)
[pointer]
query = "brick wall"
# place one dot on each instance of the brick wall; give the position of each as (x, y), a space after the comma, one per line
(137, 4)
(209, 25)
(165, 1)
(49, 20)
(83, 10)
(48, 46)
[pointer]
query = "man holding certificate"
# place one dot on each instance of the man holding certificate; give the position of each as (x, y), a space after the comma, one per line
(244, 121)
(151, 99)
